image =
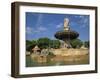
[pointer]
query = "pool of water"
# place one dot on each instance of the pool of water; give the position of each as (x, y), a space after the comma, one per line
(74, 61)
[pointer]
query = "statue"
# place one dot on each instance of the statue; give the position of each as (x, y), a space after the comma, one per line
(66, 23)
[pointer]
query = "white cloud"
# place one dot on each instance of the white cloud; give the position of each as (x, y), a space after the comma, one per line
(38, 28)
(31, 30)
(59, 25)
(81, 16)
(39, 20)
(84, 22)
(28, 30)
(41, 28)
(52, 37)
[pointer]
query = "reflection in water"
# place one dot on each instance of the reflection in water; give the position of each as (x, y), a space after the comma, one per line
(55, 61)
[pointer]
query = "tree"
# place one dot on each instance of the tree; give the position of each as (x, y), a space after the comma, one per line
(86, 44)
(54, 43)
(76, 43)
(30, 44)
(43, 42)
(34, 42)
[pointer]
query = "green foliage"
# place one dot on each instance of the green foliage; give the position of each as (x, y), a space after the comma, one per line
(55, 44)
(43, 42)
(34, 42)
(30, 44)
(86, 43)
(76, 43)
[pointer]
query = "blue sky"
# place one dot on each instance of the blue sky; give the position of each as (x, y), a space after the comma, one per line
(46, 25)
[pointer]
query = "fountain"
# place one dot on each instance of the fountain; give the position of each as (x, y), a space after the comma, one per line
(63, 55)
(66, 34)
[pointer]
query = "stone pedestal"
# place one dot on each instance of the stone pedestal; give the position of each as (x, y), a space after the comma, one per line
(65, 44)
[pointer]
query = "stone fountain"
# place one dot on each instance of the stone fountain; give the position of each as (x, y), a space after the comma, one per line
(66, 35)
